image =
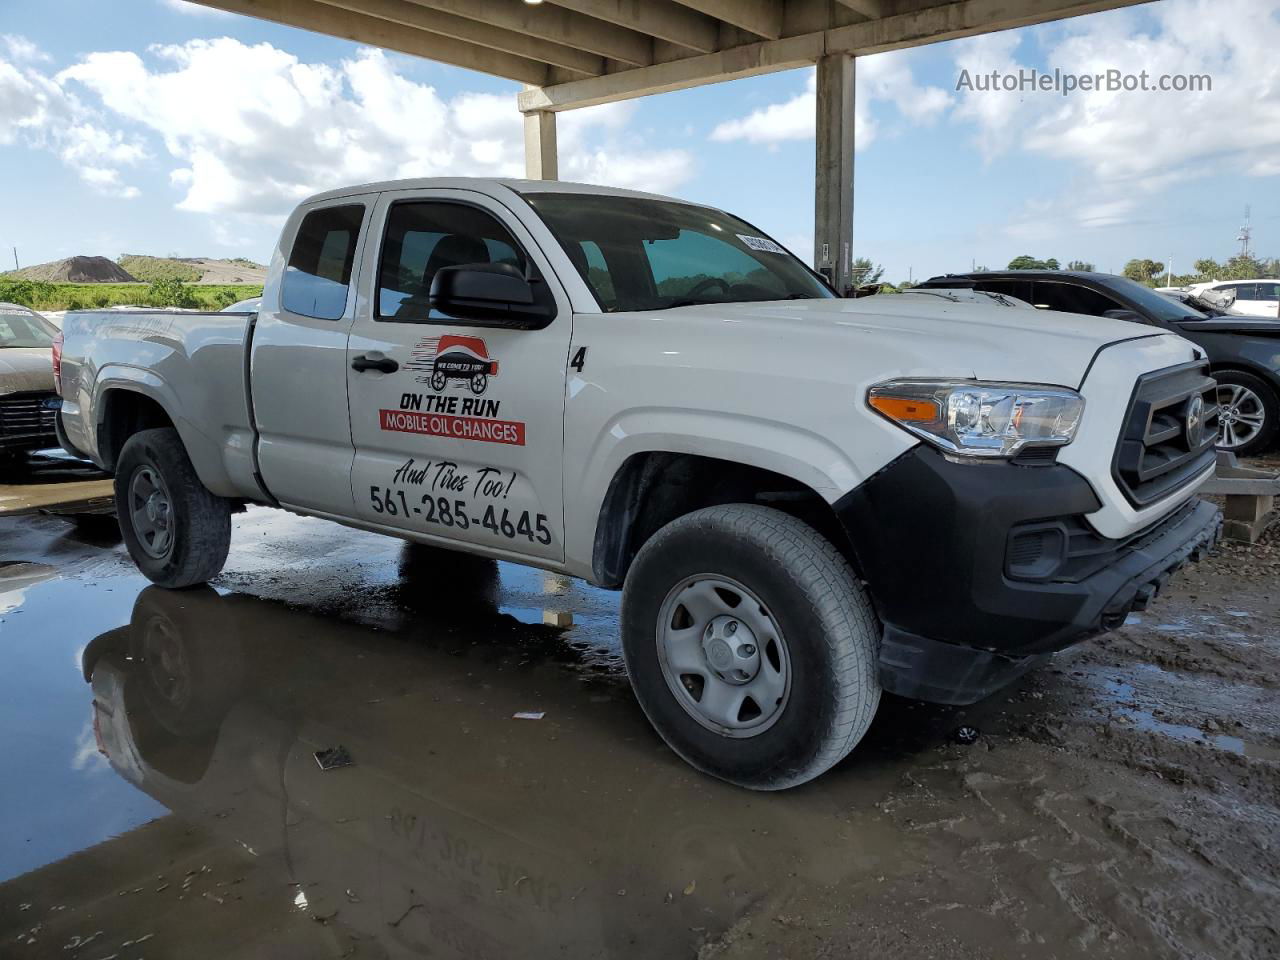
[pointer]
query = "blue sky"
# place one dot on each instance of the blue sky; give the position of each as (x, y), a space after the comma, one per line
(142, 127)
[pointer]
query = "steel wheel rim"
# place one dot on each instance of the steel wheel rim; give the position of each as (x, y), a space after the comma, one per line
(151, 512)
(166, 664)
(1241, 415)
(723, 656)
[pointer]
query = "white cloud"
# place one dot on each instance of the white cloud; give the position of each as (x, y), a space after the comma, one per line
(36, 111)
(1128, 145)
(21, 49)
(253, 129)
(884, 77)
(791, 119)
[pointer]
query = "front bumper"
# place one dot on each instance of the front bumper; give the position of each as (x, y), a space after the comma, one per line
(966, 606)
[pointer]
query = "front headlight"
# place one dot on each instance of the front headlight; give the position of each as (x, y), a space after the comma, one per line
(970, 419)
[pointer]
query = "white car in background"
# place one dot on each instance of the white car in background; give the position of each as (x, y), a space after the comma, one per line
(1252, 298)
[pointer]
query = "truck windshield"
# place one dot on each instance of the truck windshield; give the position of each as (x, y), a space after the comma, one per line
(22, 328)
(640, 254)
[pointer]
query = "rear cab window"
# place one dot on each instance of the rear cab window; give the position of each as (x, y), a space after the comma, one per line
(317, 278)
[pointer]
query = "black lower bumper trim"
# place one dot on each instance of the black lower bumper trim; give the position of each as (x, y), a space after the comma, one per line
(931, 538)
(925, 669)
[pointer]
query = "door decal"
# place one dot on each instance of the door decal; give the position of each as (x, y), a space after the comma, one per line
(440, 361)
(445, 364)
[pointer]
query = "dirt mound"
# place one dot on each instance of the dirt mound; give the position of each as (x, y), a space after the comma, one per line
(148, 269)
(75, 270)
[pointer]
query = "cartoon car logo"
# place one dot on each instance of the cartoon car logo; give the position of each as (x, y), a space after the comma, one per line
(452, 357)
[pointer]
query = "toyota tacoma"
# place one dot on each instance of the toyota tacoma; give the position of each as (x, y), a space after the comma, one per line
(806, 500)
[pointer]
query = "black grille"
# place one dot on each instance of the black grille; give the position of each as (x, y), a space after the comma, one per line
(26, 415)
(1160, 450)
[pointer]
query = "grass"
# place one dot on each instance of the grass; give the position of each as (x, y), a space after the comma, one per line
(89, 296)
(151, 269)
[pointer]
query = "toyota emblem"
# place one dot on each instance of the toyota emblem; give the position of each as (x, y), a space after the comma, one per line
(1195, 421)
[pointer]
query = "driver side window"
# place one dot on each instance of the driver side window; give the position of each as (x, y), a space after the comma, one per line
(424, 236)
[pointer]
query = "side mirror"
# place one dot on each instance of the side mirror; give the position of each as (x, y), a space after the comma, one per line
(491, 294)
(1123, 315)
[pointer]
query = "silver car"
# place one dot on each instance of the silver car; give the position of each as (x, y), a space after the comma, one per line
(28, 403)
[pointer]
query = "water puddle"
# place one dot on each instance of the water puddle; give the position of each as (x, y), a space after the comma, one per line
(1126, 706)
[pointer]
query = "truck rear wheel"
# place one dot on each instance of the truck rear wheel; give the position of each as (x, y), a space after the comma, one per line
(177, 532)
(750, 645)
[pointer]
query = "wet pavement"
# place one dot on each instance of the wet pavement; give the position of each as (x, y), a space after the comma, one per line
(51, 481)
(161, 795)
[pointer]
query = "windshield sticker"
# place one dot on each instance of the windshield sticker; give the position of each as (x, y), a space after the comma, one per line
(760, 243)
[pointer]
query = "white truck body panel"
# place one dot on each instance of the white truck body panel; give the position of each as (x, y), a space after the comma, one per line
(777, 385)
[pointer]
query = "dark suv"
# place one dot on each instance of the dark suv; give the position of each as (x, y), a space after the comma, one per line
(1244, 352)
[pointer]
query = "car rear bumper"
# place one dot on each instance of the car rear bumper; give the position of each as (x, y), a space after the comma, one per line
(980, 571)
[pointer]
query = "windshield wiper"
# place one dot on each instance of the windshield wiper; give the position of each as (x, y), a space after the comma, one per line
(691, 302)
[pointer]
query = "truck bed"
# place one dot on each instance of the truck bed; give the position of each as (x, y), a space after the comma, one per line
(193, 364)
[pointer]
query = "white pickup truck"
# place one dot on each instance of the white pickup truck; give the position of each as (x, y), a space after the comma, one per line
(806, 500)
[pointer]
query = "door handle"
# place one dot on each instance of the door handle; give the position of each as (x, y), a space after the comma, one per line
(374, 361)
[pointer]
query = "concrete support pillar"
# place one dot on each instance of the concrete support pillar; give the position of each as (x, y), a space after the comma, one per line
(833, 181)
(540, 161)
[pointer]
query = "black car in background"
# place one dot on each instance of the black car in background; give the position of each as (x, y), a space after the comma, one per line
(1244, 352)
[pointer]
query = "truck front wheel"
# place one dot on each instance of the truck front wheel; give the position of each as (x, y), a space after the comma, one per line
(177, 532)
(750, 645)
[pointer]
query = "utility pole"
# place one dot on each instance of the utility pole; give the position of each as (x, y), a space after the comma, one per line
(15, 259)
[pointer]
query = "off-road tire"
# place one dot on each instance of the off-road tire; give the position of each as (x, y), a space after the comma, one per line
(831, 632)
(201, 520)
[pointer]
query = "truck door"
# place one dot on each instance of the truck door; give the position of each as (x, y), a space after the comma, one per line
(298, 365)
(457, 425)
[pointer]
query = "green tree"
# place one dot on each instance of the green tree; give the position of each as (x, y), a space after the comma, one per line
(1026, 262)
(1144, 271)
(1242, 268)
(864, 272)
(169, 292)
(1084, 266)
(29, 293)
(1208, 269)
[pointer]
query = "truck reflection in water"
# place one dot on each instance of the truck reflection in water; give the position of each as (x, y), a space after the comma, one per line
(458, 831)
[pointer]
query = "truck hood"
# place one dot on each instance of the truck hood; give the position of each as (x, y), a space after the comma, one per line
(932, 336)
(24, 369)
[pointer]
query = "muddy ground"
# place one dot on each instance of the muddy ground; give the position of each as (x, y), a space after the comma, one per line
(161, 796)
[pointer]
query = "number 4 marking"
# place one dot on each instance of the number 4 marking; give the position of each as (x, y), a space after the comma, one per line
(579, 359)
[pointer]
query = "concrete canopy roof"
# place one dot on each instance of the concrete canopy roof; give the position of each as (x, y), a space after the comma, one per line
(576, 53)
